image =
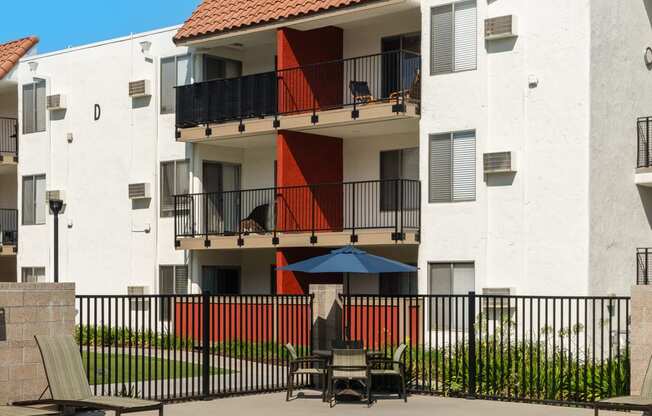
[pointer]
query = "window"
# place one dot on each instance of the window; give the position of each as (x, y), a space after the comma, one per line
(453, 37)
(398, 164)
(175, 70)
(173, 280)
(174, 181)
(449, 279)
(220, 280)
(32, 274)
(452, 167)
(34, 106)
(397, 284)
(33, 200)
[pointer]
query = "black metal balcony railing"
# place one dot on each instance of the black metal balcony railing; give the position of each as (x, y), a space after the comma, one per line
(643, 269)
(8, 227)
(9, 136)
(348, 206)
(389, 76)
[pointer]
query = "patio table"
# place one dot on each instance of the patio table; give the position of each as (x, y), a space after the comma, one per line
(328, 354)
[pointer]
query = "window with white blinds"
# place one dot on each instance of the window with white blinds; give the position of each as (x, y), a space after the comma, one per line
(175, 70)
(34, 106)
(453, 37)
(452, 167)
(174, 181)
(33, 200)
(173, 280)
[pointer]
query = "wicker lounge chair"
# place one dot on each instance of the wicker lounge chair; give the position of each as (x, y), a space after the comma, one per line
(25, 411)
(641, 402)
(393, 367)
(68, 384)
(348, 365)
(306, 366)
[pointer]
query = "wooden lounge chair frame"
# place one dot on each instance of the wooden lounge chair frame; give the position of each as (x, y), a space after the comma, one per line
(641, 402)
(69, 386)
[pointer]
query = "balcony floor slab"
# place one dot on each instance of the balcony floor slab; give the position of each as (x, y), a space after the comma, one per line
(372, 237)
(8, 250)
(337, 122)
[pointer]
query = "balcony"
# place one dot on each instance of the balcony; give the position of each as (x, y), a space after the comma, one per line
(374, 88)
(367, 213)
(8, 141)
(8, 231)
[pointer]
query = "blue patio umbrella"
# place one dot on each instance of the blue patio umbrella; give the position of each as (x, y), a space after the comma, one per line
(348, 260)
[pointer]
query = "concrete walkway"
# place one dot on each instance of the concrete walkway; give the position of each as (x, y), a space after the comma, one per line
(275, 405)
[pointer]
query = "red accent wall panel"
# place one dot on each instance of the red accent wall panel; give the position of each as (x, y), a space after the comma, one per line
(249, 320)
(312, 86)
(295, 283)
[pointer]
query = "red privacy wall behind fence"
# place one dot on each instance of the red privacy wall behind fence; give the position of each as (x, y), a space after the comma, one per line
(256, 318)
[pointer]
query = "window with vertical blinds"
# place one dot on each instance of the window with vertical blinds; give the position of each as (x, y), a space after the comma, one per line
(173, 280)
(453, 37)
(175, 70)
(34, 106)
(398, 164)
(33, 211)
(174, 181)
(452, 167)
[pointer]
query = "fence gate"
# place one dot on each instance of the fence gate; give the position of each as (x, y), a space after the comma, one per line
(527, 348)
(162, 347)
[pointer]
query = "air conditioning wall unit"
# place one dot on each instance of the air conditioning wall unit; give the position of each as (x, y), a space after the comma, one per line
(56, 102)
(497, 298)
(140, 190)
(500, 27)
(140, 88)
(55, 195)
(499, 162)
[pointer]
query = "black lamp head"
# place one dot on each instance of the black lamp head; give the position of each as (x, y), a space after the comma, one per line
(56, 205)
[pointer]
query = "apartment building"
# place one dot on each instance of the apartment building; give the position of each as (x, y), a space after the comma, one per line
(10, 53)
(491, 143)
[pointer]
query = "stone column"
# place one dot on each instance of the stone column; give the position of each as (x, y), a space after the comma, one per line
(30, 309)
(641, 335)
(326, 315)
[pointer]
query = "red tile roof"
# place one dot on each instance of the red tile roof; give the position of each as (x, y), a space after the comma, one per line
(215, 16)
(11, 52)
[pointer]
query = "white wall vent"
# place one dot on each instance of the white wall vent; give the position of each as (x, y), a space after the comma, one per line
(140, 88)
(497, 291)
(499, 162)
(50, 195)
(139, 190)
(56, 102)
(500, 27)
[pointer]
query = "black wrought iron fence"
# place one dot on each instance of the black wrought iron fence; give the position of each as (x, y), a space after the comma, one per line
(387, 204)
(644, 155)
(549, 349)
(351, 82)
(8, 226)
(643, 263)
(9, 136)
(171, 347)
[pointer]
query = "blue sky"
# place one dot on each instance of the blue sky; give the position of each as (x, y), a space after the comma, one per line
(60, 24)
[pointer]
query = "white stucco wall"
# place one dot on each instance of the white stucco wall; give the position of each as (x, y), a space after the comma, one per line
(529, 231)
(621, 212)
(103, 246)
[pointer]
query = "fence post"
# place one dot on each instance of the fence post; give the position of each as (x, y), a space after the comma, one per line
(206, 340)
(471, 364)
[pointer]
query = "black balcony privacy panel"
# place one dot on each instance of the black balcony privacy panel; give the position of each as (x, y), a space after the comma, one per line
(9, 136)
(388, 76)
(8, 226)
(308, 208)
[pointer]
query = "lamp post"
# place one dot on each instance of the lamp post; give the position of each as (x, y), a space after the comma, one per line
(55, 206)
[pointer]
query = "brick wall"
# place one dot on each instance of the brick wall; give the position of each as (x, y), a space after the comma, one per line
(31, 309)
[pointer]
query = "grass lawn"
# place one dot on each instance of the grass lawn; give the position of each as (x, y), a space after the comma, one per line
(136, 369)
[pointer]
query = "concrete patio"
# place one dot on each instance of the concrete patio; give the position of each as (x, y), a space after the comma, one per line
(275, 405)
